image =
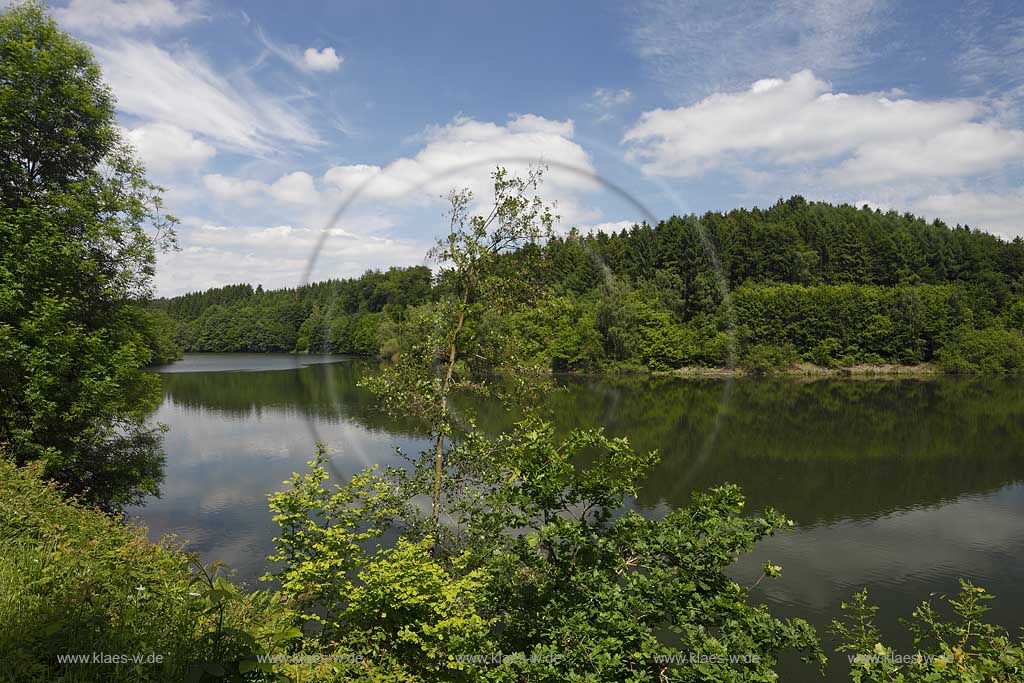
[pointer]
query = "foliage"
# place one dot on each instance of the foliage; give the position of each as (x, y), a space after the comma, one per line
(79, 225)
(559, 331)
(77, 581)
(409, 609)
(764, 359)
(163, 335)
(842, 285)
(990, 350)
(334, 316)
(527, 565)
(537, 564)
(486, 262)
(961, 648)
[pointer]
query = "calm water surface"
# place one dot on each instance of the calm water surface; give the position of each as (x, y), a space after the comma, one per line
(901, 486)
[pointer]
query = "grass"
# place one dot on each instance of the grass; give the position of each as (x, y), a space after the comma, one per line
(77, 581)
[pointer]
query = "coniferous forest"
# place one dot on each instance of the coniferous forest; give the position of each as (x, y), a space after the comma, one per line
(761, 289)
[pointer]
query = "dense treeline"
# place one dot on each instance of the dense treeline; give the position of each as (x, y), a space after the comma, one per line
(762, 288)
(334, 316)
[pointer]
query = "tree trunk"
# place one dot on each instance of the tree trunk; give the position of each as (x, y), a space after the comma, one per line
(445, 386)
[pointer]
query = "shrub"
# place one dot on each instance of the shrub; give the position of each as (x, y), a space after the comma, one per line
(76, 581)
(764, 359)
(989, 350)
(827, 352)
(961, 648)
(539, 566)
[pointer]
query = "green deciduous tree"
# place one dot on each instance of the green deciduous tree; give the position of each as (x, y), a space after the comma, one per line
(474, 278)
(79, 224)
(515, 557)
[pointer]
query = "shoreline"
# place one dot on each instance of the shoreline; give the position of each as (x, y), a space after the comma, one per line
(921, 371)
(810, 371)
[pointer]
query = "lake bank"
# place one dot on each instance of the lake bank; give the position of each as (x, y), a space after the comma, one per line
(241, 361)
(898, 486)
(808, 370)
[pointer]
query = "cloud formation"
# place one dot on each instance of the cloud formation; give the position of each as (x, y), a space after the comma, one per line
(605, 100)
(1001, 213)
(182, 90)
(460, 154)
(310, 60)
(860, 139)
(102, 17)
(217, 255)
(321, 60)
(698, 47)
(165, 148)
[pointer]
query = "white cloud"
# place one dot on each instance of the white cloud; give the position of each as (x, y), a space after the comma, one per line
(165, 148)
(370, 181)
(351, 176)
(608, 227)
(463, 152)
(182, 90)
(227, 188)
(991, 50)
(963, 150)
(102, 17)
(702, 46)
(1001, 213)
(604, 100)
(321, 60)
(799, 120)
(295, 188)
(309, 60)
(459, 154)
(275, 256)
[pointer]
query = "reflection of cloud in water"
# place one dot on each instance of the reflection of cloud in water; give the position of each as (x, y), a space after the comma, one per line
(235, 362)
(203, 436)
(221, 467)
(914, 552)
(903, 486)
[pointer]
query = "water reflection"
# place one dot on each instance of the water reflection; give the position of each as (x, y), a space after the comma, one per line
(902, 486)
(820, 450)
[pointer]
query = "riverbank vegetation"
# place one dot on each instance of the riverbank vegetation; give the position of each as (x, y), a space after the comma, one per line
(77, 583)
(507, 557)
(757, 289)
(79, 229)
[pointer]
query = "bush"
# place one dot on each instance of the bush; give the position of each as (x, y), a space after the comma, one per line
(597, 595)
(961, 648)
(76, 581)
(764, 359)
(828, 353)
(991, 350)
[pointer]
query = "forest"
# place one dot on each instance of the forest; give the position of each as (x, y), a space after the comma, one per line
(501, 557)
(762, 289)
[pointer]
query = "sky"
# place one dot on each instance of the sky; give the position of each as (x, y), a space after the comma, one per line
(274, 124)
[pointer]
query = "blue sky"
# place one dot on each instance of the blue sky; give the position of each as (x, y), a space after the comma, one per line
(261, 118)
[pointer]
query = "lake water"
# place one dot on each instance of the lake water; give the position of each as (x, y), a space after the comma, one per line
(901, 486)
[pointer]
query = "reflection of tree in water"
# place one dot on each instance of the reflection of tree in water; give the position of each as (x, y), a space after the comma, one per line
(823, 450)
(816, 450)
(325, 392)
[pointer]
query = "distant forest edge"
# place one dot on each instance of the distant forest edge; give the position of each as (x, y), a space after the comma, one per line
(809, 282)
